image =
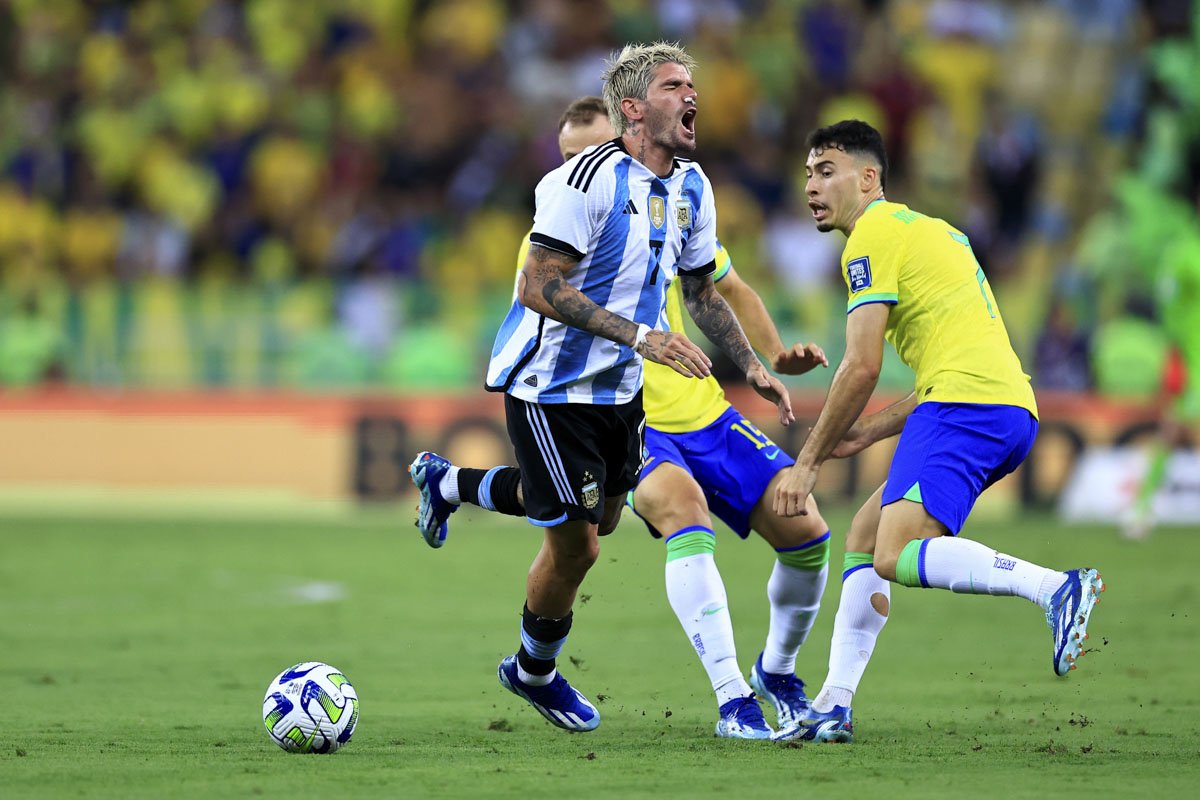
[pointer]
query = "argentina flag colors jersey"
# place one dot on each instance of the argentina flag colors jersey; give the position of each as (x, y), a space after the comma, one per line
(633, 232)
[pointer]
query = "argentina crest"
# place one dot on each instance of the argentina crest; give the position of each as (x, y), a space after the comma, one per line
(683, 214)
(590, 490)
(658, 211)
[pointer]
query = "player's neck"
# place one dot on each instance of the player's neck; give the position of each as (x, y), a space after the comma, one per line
(864, 204)
(653, 156)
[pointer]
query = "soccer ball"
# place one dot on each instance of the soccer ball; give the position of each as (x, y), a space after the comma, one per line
(310, 708)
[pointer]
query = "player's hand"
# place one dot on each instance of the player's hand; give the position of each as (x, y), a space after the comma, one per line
(677, 352)
(799, 359)
(791, 495)
(772, 389)
(857, 439)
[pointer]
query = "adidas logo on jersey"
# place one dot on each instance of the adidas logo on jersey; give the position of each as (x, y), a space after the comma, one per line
(630, 208)
(531, 381)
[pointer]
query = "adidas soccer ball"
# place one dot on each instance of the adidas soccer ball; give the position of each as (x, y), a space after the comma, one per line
(310, 708)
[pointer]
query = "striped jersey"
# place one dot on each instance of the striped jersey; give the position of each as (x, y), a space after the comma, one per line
(633, 233)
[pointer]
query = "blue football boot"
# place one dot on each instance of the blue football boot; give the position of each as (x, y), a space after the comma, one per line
(557, 701)
(742, 718)
(834, 725)
(1068, 613)
(785, 692)
(427, 470)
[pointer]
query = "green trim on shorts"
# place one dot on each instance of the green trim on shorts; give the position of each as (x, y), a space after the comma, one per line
(691, 542)
(914, 493)
(907, 566)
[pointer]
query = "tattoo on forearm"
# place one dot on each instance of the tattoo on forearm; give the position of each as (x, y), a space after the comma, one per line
(716, 319)
(569, 304)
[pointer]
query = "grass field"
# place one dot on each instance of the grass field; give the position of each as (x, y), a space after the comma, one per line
(136, 653)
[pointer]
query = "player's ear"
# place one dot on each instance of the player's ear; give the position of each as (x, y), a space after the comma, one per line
(868, 177)
(632, 108)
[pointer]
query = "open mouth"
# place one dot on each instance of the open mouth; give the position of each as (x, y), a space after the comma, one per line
(689, 122)
(819, 212)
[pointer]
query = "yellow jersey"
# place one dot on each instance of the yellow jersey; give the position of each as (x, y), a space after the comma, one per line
(944, 323)
(673, 403)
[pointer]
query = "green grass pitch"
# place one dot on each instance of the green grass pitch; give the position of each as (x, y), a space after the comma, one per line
(135, 654)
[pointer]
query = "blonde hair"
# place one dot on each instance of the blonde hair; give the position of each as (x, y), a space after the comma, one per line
(628, 73)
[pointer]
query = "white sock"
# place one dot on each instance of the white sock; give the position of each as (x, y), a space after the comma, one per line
(449, 486)
(856, 628)
(968, 567)
(529, 679)
(697, 596)
(795, 596)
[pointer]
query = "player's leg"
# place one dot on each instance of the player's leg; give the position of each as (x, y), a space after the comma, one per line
(669, 500)
(565, 454)
(863, 610)
(794, 591)
(444, 487)
(947, 455)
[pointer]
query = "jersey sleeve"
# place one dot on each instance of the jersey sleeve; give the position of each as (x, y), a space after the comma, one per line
(699, 254)
(561, 220)
(871, 265)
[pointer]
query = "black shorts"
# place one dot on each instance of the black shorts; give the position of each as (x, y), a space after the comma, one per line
(574, 455)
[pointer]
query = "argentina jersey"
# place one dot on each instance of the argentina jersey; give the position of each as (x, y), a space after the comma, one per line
(633, 233)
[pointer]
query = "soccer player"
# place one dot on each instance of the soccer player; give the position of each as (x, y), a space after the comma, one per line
(1178, 296)
(613, 227)
(914, 281)
(701, 453)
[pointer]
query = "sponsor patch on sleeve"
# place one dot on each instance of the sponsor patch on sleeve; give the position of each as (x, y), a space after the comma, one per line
(858, 272)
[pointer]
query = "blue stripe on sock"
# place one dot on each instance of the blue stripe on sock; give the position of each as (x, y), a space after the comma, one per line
(692, 529)
(852, 570)
(804, 546)
(543, 651)
(485, 489)
(921, 563)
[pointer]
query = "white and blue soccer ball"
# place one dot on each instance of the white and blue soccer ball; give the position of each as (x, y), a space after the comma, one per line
(310, 708)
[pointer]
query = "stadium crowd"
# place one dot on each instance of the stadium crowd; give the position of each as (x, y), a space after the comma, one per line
(270, 193)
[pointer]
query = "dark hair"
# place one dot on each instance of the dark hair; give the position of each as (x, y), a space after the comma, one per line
(855, 137)
(582, 112)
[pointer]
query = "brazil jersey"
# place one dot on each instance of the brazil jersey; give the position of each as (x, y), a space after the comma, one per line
(673, 403)
(944, 323)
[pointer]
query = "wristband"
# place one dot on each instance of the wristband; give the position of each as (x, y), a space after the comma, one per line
(642, 331)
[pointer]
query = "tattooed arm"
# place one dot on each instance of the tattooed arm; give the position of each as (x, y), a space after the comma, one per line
(543, 287)
(715, 318)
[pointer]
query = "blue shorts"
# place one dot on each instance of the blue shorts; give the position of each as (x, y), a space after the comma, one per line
(950, 452)
(731, 460)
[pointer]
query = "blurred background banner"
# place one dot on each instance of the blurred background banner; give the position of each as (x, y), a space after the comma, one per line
(263, 247)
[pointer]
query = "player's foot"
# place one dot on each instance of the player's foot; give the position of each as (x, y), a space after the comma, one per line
(785, 692)
(427, 470)
(834, 725)
(1068, 614)
(742, 718)
(557, 701)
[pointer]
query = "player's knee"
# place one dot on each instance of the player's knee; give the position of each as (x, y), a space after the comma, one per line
(667, 511)
(885, 566)
(578, 560)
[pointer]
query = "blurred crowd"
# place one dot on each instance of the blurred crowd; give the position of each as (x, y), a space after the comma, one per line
(331, 194)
